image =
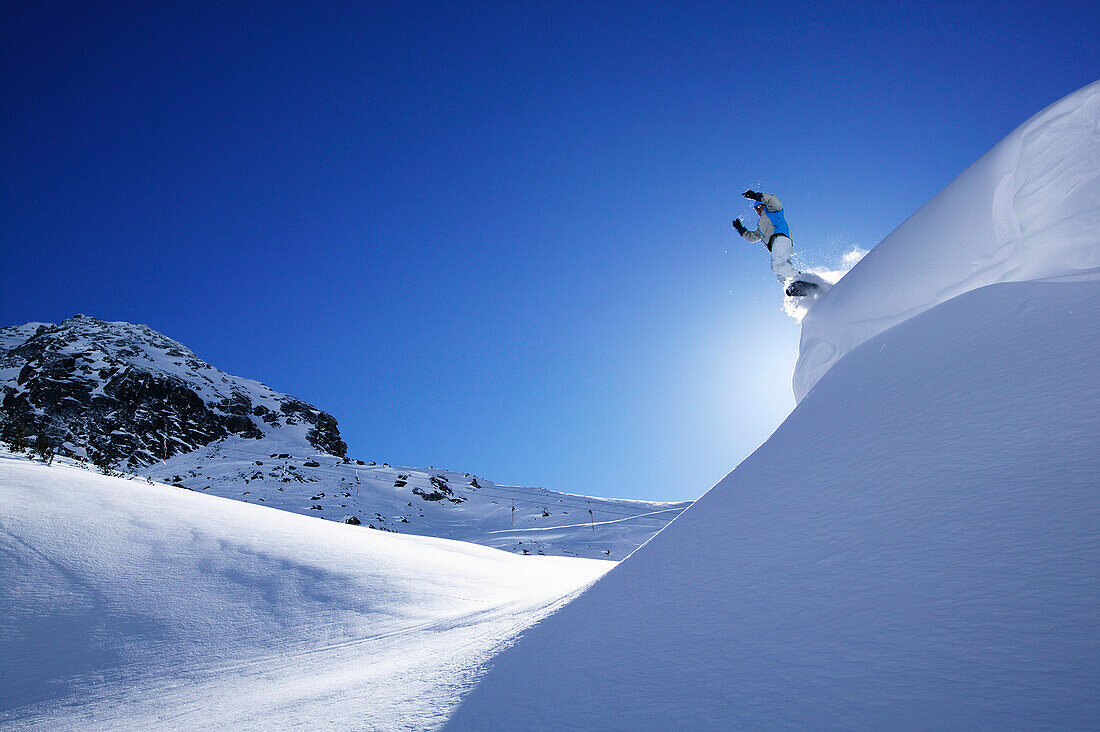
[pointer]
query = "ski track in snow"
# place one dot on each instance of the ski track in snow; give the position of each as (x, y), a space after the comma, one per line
(129, 605)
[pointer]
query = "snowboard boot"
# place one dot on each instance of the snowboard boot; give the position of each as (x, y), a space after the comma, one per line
(798, 288)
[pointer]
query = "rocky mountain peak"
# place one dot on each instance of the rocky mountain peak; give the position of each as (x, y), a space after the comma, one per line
(122, 394)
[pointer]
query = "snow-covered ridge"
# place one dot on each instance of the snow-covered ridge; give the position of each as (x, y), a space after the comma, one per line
(125, 396)
(1029, 209)
(426, 501)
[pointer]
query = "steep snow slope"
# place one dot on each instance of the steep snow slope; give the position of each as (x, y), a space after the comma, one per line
(917, 546)
(1029, 209)
(127, 605)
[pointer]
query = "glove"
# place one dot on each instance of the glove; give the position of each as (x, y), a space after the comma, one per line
(750, 193)
(739, 226)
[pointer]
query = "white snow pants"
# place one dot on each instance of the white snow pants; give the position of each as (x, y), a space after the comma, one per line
(782, 251)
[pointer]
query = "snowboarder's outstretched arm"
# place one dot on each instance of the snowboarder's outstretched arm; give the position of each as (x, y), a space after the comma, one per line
(772, 202)
(752, 236)
(769, 200)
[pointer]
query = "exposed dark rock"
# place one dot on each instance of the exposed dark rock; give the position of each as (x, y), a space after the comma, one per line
(442, 490)
(124, 395)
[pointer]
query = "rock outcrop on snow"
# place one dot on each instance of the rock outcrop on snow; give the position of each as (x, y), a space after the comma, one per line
(125, 396)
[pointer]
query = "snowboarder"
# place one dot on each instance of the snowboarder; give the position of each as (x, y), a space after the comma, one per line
(774, 232)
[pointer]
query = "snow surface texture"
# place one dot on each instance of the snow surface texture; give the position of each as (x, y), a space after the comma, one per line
(136, 606)
(916, 547)
(1029, 209)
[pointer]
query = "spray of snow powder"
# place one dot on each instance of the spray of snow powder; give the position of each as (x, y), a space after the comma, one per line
(824, 277)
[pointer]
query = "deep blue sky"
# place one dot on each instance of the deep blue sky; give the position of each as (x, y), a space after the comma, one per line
(494, 237)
